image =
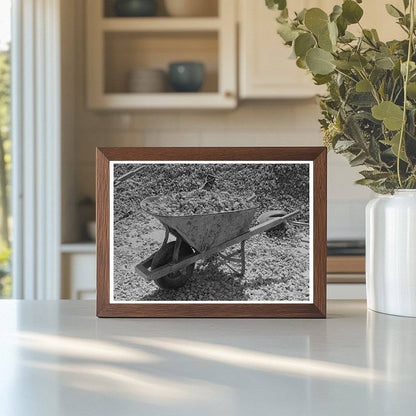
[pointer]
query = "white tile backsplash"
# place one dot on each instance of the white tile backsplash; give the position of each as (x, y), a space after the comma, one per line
(346, 219)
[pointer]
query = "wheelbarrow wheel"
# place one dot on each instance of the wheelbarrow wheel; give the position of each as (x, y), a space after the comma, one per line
(164, 256)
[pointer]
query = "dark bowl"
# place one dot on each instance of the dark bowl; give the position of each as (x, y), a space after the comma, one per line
(136, 8)
(186, 76)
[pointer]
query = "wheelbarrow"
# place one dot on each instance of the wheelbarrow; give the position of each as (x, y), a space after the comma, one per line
(199, 237)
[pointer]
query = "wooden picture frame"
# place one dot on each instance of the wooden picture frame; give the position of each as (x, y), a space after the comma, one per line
(316, 308)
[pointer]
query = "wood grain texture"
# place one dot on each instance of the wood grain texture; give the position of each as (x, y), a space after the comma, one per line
(345, 278)
(346, 264)
(317, 309)
(103, 231)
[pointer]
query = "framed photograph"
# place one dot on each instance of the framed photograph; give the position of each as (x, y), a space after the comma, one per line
(211, 232)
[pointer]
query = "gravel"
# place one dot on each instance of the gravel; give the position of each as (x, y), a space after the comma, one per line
(277, 262)
(196, 202)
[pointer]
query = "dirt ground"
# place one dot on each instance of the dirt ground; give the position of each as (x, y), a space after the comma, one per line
(277, 267)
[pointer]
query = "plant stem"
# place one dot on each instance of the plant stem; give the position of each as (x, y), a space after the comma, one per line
(373, 89)
(345, 75)
(406, 80)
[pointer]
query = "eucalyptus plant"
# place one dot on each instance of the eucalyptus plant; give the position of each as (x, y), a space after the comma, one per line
(369, 112)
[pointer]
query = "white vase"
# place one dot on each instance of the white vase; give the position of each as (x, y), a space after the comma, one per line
(391, 253)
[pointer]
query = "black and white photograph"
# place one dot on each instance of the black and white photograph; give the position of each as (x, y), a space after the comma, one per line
(210, 232)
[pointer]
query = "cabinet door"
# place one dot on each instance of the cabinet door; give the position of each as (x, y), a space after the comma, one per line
(265, 68)
(78, 276)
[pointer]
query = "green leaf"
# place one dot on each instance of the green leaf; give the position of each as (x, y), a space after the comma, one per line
(342, 25)
(377, 75)
(347, 37)
(363, 86)
(375, 35)
(336, 12)
(358, 61)
(321, 79)
(406, 4)
(394, 145)
(276, 4)
(374, 150)
(374, 175)
(303, 43)
(283, 17)
(343, 65)
(319, 61)
(334, 91)
(385, 63)
(354, 131)
(411, 90)
(343, 145)
(381, 89)
(327, 40)
(333, 32)
(364, 181)
(351, 11)
(284, 14)
(324, 42)
(393, 11)
(301, 63)
(286, 32)
(300, 17)
(396, 71)
(361, 99)
(368, 36)
(391, 114)
(412, 67)
(316, 20)
(358, 160)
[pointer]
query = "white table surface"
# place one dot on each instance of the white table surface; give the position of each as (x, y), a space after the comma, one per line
(57, 359)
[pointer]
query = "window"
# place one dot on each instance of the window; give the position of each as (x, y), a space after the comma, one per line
(5, 144)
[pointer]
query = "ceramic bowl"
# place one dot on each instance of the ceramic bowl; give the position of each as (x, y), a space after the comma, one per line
(147, 80)
(186, 76)
(136, 8)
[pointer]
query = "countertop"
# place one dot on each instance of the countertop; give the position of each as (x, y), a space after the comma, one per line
(58, 359)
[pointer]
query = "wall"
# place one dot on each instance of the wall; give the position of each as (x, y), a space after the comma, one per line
(265, 123)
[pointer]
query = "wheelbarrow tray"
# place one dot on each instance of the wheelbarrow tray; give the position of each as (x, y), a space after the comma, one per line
(143, 268)
(204, 231)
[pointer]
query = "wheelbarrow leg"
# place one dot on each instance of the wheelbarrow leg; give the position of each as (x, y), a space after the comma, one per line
(238, 256)
(178, 243)
(165, 240)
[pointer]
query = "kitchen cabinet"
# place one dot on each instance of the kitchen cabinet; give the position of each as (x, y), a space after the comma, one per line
(118, 45)
(78, 262)
(265, 70)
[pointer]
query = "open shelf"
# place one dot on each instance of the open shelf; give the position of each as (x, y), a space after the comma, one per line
(130, 101)
(127, 51)
(116, 46)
